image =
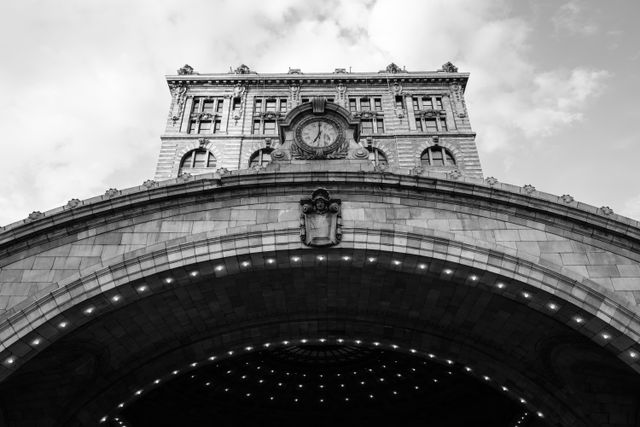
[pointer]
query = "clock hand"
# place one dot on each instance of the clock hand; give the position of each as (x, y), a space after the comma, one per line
(318, 135)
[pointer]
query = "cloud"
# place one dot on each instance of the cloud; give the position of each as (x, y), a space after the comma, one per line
(631, 208)
(570, 18)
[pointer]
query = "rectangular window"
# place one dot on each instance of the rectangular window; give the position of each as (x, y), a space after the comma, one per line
(419, 125)
(365, 104)
(377, 104)
(426, 103)
(367, 126)
(283, 105)
(207, 106)
(196, 105)
(205, 126)
(443, 124)
(416, 106)
(256, 126)
(399, 102)
(379, 126)
(352, 105)
(305, 99)
(270, 127)
(436, 158)
(271, 105)
(236, 103)
(438, 103)
(219, 106)
(431, 125)
(216, 126)
(193, 126)
(258, 106)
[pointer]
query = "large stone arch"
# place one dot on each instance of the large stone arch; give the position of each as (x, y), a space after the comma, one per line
(405, 256)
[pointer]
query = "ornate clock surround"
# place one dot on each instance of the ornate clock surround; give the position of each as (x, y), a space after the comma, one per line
(319, 110)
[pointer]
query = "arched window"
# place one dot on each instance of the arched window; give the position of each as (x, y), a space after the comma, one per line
(377, 157)
(437, 156)
(261, 157)
(197, 159)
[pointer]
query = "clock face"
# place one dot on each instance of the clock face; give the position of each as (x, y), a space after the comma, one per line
(319, 133)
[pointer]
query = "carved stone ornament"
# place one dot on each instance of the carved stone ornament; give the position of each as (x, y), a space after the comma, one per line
(491, 181)
(320, 219)
(35, 215)
(112, 192)
(185, 70)
(238, 90)
(416, 170)
(340, 71)
(184, 177)
(294, 71)
(150, 183)
(430, 112)
(242, 69)
(223, 171)
(361, 153)
(567, 198)
(393, 68)
(449, 68)
(73, 203)
(455, 174)
(529, 188)
(606, 210)
(202, 142)
(278, 154)
(396, 88)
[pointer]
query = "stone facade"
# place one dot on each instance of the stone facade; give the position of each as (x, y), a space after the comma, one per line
(397, 104)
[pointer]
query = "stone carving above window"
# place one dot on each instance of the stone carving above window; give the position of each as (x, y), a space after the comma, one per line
(185, 70)
(449, 68)
(320, 219)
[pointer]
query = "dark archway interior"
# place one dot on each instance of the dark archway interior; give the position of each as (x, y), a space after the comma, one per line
(539, 356)
(324, 385)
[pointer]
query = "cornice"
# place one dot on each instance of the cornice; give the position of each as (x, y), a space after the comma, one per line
(264, 79)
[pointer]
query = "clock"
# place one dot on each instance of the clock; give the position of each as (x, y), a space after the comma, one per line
(320, 133)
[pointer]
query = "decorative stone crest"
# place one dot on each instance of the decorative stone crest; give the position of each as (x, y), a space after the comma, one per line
(185, 70)
(223, 171)
(238, 90)
(455, 174)
(112, 192)
(202, 142)
(396, 89)
(35, 215)
(73, 203)
(606, 210)
(491, 181)
(529, 188)
(430, 113)
(242, 69)
(294, 71)
(449, 68)
(150, 183)
(567, 198)
(320, 219)
(340, 71)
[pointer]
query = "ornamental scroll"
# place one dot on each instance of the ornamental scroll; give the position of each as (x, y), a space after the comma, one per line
(320, 219)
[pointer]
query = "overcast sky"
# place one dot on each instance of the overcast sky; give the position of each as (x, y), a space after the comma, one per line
(552, 94)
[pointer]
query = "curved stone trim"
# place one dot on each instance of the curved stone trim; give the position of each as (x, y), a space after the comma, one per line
(488, 262)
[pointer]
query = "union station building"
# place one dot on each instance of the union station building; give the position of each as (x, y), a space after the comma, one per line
(320, 249)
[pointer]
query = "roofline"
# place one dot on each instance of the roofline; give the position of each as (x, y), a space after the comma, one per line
(320, 78)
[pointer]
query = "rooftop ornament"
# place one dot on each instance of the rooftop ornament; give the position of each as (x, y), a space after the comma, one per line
(185, 70)
(394, 69)
(242, 69)
(449, 68)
